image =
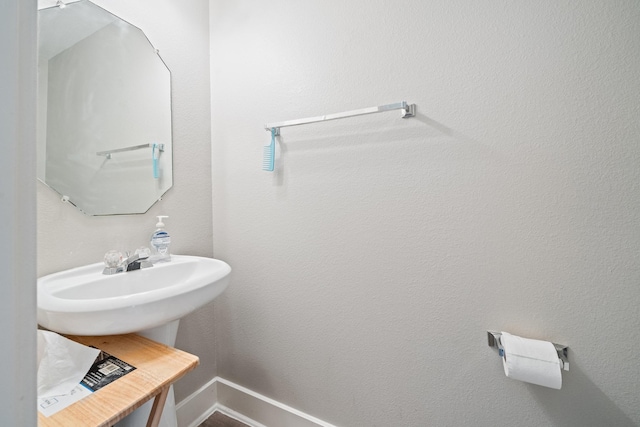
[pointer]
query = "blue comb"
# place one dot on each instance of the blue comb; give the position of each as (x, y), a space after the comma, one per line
(155, 156)
(269, 153)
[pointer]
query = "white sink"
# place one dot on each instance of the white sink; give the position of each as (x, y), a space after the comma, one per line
(83, 301)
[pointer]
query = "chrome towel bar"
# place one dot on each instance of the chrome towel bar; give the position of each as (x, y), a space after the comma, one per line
(108, 153)
(408, 110)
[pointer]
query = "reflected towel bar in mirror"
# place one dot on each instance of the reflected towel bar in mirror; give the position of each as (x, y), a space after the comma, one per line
(108, 153)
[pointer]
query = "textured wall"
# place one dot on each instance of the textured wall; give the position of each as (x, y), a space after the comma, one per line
(67, 238)
(368, 268)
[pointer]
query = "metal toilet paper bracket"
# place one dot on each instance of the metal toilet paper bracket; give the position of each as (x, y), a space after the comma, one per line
(562, 350)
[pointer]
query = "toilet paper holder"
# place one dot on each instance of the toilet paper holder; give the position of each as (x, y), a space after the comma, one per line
(562, 350)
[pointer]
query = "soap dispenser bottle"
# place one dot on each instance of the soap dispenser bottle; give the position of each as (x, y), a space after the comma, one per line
(160, 241)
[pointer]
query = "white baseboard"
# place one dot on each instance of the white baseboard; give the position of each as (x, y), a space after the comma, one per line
(240, 403)
(198, 406)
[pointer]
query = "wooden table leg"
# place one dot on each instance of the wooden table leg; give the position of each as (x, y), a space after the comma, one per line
(156, 409)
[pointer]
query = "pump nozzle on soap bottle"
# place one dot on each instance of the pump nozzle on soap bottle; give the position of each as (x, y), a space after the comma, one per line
(160, 241)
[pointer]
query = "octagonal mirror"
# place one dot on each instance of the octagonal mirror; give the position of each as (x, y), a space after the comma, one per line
(104, 111)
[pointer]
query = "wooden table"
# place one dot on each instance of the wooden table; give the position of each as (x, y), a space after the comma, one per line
(157, 367)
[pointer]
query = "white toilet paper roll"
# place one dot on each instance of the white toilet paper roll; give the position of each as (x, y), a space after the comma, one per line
(531, 361)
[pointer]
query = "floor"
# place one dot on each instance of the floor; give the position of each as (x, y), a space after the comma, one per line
(220, 420)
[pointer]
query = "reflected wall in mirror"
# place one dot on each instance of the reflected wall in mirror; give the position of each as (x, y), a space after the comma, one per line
(104, 111)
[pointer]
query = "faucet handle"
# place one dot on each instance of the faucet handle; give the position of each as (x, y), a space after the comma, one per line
(112, 262)
(112, 258)
(143, 252)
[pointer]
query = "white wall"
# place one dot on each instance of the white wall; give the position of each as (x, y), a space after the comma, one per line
(17, 212)
(368, 269)
(67, 238)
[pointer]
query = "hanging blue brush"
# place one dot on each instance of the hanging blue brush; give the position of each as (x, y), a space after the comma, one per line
(269, 153)
(155, 156)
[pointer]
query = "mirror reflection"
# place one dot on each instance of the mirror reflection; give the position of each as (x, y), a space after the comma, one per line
(104, 111)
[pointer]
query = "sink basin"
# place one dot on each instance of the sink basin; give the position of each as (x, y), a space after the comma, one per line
(83, 301)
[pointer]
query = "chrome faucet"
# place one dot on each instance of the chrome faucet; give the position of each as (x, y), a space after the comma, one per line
(130, 263)
(134, 262)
